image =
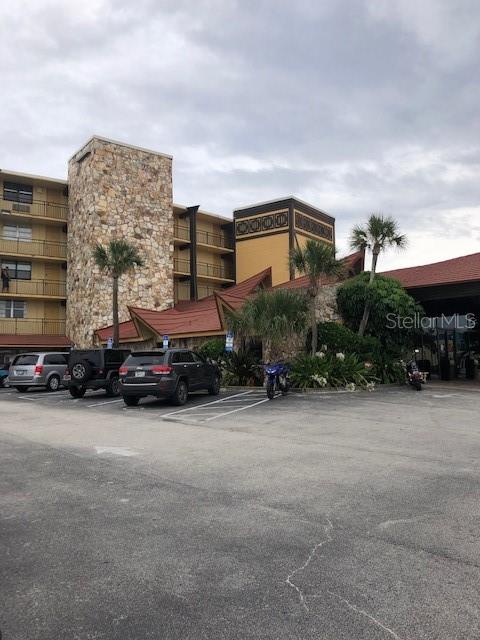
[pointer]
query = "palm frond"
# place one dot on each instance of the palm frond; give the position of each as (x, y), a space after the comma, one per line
(117, 257)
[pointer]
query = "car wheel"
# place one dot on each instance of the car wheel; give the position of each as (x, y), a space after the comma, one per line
(214, 388)
(131, 401)
(21, 389)
(77, 392)
(80, 370)
(53, 383)
(113, 387)
(181, 393)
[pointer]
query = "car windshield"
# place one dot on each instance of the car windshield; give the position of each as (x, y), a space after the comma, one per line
(26, 359)
(145, 359)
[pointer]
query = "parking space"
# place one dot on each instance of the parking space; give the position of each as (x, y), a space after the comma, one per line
(200, 407)
(352, 514)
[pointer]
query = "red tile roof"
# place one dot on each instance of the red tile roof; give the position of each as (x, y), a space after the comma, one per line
(34, 341)
(462, 269)
(197, 317)
(351, 262)
(126, 329)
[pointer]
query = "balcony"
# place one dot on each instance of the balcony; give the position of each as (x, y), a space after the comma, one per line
(50, 211)
(208, 271)
(37, 288)
(217, 242)
(205, 271)
(32, 326)
(181, 234)
(182, 267)
(34, 248)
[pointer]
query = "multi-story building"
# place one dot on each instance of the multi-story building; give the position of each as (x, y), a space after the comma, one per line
(48, 228)
(33, 248)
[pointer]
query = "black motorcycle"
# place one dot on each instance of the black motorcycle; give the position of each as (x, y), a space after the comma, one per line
(414, 377)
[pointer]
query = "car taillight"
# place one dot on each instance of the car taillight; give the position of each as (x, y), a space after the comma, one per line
(161, 368)
(123, 371)
(67, 371)
(38, 369)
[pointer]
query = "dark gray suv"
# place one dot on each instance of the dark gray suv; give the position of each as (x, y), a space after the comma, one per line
(169, 373)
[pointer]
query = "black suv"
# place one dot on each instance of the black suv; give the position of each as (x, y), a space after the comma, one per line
(94, 369)
(169, 373)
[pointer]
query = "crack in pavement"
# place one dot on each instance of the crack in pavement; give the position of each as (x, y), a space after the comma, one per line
(353, 607)
(328, 528)
(303, 598)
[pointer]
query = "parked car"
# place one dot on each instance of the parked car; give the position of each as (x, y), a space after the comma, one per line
(4, 367)
(41, 369)
(94, 369)
(169, 373)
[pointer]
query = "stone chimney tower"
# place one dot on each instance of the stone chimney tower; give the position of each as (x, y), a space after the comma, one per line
(117, 191)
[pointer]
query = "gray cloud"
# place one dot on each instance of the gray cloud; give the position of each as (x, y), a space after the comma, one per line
(356, 107)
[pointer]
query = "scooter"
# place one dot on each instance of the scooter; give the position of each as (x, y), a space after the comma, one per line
(276, 379)
(414, 377)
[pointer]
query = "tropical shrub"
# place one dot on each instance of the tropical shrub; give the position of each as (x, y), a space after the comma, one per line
(333, 369)
(213, 349)
(337, 337)
(387, 300)
(241, 368)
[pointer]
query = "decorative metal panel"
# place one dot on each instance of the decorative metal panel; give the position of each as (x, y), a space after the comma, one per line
(304, 223)
(262, 224)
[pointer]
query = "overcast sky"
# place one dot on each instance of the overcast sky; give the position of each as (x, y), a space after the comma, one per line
(356, 106)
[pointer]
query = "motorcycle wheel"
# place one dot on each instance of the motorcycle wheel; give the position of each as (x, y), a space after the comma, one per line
(284, 388)
(418, 386)
(270, 391)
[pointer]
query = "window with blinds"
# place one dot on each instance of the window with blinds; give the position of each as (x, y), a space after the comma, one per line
(12, 309)
(16, 192)
(21, 232)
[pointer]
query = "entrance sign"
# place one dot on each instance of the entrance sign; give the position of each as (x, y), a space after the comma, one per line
(229, 341)
(165, 342)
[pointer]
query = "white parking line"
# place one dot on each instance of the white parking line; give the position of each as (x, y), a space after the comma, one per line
(99, 404)
(205, 404)
(227, 413)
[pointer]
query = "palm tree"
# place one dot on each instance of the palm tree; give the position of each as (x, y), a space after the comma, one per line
(315, 260)
(115, 260)
(377, 235)
(273, 316)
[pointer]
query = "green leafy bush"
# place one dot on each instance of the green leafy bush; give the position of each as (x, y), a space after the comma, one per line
(333, 369)
(339, 338)
(241, 368)
(388, 299)
(213, 349)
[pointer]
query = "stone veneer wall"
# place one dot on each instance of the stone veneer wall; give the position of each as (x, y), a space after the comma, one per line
(117, 192)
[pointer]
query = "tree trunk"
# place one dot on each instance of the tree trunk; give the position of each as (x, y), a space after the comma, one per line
(116, 332)
(314, 328)
(366, 310)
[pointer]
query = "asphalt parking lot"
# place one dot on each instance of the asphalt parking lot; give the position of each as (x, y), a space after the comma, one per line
(339, 516)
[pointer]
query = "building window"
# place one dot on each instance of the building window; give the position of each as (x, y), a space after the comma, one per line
(18, 270)
(16, 192)
(17, 232)
(12, 309)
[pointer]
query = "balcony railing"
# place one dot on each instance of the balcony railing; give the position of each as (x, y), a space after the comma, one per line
(214, 239)
(48, 288)
(32, 326)
(34, 248)
(181, 266)
(37, 209)
(181, 232)
(203, 269)
(214, 271)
